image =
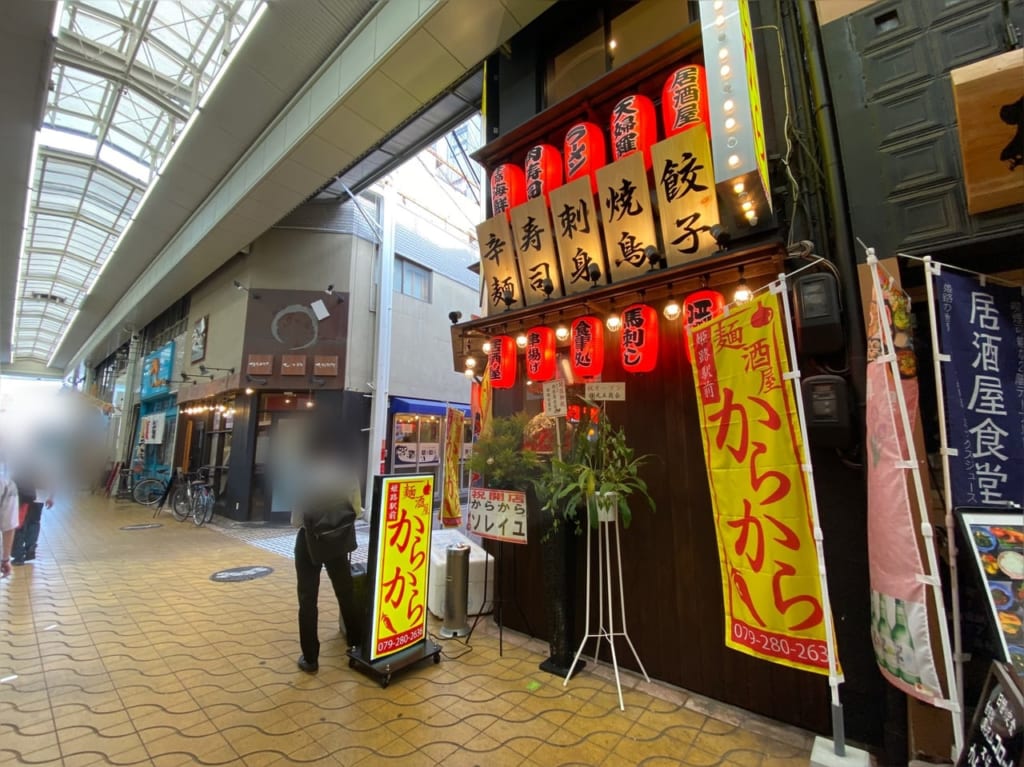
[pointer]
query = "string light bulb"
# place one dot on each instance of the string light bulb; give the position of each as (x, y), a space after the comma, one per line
(613, 322)
(562, 333)
(470, 362)
(486, 348)
(672, 310)
(521, 340)
(742, 294)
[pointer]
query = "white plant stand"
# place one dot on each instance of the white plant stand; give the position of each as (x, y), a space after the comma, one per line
(607, 522)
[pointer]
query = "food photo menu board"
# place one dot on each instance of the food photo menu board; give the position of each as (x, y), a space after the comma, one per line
(997, 543)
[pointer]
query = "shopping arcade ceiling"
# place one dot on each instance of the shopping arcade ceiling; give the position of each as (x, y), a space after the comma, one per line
(317, 92)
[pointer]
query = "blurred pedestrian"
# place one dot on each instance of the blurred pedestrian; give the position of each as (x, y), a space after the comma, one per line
(8, 523)
(27, 536)
(325, 511)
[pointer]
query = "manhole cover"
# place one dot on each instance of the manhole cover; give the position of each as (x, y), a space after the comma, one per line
(241, 574)
(147, 526)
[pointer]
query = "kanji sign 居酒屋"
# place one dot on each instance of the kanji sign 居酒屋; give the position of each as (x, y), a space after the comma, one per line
(403, 560)
(753, 448)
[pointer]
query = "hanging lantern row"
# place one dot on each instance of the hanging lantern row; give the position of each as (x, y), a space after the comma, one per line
(632, 128)
(638, 341)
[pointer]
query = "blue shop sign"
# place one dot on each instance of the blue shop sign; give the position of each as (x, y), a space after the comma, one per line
(156, 372)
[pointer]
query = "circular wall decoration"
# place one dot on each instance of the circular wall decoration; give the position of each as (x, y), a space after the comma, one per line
(290, 326)
(235, 574)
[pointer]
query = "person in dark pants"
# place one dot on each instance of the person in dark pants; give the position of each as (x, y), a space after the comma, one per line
(307, 577)
(27, 536)
(325, 513)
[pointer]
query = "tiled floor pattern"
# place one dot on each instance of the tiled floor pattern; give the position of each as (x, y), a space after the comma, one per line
(117, 649)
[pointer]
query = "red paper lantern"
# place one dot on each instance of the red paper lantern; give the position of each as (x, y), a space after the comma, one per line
(586, 347)
(639, 339)
(508, 188)
(540, 353)
(502, 362)
(584, 152)
(700, 307)
(684, 100)
(543, 171)
(633, 128)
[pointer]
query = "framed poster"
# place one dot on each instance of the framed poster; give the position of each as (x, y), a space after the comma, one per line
(199, 331)
(996, 736)
(996, 544)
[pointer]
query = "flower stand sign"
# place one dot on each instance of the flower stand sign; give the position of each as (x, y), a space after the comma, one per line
(498, 514)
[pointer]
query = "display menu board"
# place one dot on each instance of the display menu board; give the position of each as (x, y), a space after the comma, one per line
(996, 541)
(400, 540)
(996, 737)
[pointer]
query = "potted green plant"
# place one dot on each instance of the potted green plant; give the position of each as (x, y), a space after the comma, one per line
(500, 458)
(598, 472)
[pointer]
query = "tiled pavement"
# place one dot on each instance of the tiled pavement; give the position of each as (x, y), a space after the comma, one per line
(116, 648)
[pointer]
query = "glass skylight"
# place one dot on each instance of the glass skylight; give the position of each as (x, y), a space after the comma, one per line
(127, 75)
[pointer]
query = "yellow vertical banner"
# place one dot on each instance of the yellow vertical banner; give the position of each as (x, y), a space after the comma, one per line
(753, 450)
(399, 617)
(484, 412)
(451, 506)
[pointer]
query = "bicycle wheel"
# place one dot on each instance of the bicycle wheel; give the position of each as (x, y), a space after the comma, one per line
(202, 505)
(180, 506)
(148, 491)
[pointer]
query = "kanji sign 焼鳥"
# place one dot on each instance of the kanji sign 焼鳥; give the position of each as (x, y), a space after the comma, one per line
(753, 449)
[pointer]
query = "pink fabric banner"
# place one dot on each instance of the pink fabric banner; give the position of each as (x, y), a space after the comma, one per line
(899, 615)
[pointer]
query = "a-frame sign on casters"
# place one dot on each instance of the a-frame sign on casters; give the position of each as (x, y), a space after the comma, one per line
(398, 566)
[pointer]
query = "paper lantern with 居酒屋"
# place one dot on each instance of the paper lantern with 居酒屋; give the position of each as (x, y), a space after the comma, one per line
(508, 188)
(698, 308)
(540, 353)
(684, 100)
(634, 128)
(584, 152)
(586, 347)
(543, 171)
(502, 362)
(638, 340)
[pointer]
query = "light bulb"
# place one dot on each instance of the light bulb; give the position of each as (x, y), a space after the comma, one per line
(726, 70)
(718, 5)
(468, 373)
(521, 340)
(613, 323)
(723, 54)
(730, 123)
(470, 362)
(486, 348)
(751, 215)
(734, 160)
(249, 390)
(738, 187)
(748, 205)
(728, 105)
(309, 403)
(672, 310)
(719, 20)
(562, 333)
(742, 294)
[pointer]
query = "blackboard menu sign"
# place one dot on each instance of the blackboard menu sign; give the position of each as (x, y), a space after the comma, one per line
(996, 737)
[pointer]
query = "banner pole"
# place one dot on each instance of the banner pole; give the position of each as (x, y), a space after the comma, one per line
(930, 270)
(834, 678)
(889, 356)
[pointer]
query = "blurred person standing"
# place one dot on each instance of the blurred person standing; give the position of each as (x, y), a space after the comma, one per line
(327, 504)
(26, 538)
(8, 523)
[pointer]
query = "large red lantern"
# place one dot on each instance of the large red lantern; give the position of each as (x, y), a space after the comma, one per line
(684, 100)
(586, 347)
(540, 353)
(700, 307)
(639, 340)
(543, 171)
(584, 152)
(633, 128)
(508, 188)
(502, 362)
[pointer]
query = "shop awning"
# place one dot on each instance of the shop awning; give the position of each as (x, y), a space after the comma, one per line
(425, 406)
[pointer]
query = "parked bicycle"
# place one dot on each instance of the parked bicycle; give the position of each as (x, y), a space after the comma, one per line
(203, 497)
(150, 491)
